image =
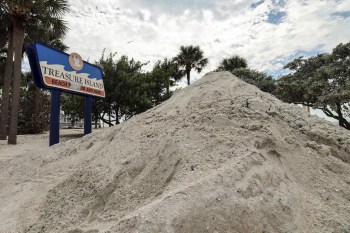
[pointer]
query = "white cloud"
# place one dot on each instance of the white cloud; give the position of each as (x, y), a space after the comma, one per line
(152, 30)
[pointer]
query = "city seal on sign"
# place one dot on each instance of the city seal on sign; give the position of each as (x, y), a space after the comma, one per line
(75, 61)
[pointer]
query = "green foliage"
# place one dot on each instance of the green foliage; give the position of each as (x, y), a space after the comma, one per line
(129, 90)
(42, 20)
(138, 96)
(166, 73)
(307, 81)
(73, 107)
(322, 81)
(119, 78)
(263, 81)
(232, 63)
(28, 121)
(238, 66)
(190, 57)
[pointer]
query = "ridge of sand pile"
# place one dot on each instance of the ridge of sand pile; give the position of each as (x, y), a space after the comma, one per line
(219, 156)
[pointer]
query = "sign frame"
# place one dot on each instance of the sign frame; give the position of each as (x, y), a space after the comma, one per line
(33, 57)
(35, 66)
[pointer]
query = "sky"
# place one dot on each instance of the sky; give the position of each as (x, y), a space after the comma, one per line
(268, 33)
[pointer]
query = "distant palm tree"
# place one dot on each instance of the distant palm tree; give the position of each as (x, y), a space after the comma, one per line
(20, 14)
(232, 63)
(191, 57)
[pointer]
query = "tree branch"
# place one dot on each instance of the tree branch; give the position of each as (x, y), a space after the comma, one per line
(342, 121)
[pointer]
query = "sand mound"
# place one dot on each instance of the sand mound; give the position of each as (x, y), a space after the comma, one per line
(219, 156)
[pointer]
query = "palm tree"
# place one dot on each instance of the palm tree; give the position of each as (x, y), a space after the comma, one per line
(20, 14)
(232, 63)
(191, 57)
(49, 30)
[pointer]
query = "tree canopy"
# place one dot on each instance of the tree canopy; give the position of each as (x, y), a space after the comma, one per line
(169, 72)
(29, 120)
(73, 107)
(238, 66)
(261, 80)
(130, 90)
(232, 63)
(321, 81)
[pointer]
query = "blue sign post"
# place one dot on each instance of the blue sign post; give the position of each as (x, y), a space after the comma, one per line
(55, 70)
(87, 115)
(55, 117)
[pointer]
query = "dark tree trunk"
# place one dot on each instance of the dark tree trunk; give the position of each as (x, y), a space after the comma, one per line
(96, 122)
(342, 121)
(18, 33)
(6, 90)
(188, 77)
(107, 122)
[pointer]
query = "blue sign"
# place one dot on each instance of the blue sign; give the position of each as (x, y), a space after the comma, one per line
(54, 69)
(58, 71)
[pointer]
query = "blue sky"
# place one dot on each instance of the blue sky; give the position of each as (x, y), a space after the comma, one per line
(268, 33)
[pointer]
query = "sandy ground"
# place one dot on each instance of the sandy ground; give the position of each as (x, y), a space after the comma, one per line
(26, 144)
(41, 140)
(219, 156)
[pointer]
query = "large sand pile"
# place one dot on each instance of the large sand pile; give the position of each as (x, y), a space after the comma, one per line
(219, 156)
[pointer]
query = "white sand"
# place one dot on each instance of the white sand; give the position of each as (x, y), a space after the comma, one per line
(219, 156)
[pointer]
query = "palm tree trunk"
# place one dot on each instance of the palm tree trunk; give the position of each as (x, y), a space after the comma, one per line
(188, 76)
(18, 33)
(6, 90)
